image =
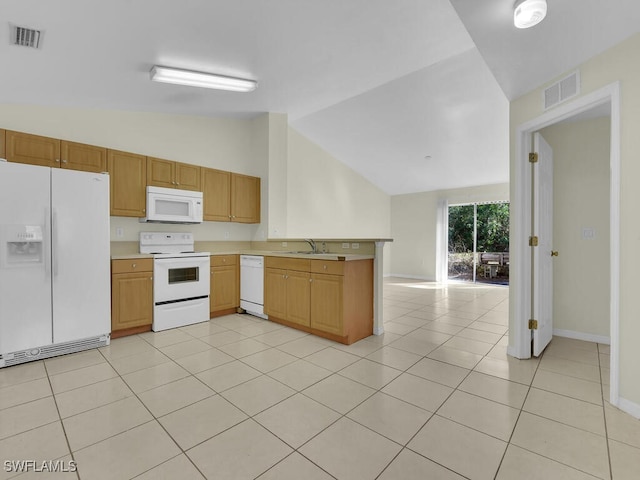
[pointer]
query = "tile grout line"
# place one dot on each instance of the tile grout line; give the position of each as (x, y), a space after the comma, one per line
(64, 430)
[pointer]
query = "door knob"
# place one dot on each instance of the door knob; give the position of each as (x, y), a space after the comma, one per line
(554, 253)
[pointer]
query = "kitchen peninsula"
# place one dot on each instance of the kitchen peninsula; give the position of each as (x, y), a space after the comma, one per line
(338, 292)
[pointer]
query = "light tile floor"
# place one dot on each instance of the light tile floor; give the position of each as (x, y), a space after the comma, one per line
(240, 398)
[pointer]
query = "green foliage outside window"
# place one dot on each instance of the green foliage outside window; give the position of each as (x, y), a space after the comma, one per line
(493, 228)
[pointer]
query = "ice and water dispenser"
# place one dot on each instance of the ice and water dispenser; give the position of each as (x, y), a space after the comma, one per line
(22, 245)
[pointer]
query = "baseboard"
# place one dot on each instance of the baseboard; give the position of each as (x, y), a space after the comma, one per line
(630, 407)
(587, 337)
(412, 277)
(378, 331)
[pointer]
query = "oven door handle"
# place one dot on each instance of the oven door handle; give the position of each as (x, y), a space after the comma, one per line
(186, 261)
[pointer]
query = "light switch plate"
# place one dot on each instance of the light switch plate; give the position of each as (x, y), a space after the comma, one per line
(355, 246)
(345, 245)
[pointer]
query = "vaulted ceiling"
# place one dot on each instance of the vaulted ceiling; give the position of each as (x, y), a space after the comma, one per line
(412, 94)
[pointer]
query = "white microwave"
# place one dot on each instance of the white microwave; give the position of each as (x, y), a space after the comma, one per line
(168, 205)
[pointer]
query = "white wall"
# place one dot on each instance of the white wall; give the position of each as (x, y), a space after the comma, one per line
(413, 226)
(325, 198)
(581, 200)
(619, 63)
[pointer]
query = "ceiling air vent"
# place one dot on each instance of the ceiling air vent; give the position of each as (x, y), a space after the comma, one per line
(562, 90)
(26, 37)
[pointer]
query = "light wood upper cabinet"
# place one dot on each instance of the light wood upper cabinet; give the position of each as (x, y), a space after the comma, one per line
(160, 173)
(128, 172)
(188, 177)
(51, 152)
(78, 156)
(216, 192)
(2, 149)
(32, 149)
(170, 174)
(230, 197)
(245, 198)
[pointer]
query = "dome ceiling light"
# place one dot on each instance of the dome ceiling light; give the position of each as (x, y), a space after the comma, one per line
(528, 13)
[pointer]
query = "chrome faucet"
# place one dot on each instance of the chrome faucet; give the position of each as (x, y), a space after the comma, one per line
(312, 243)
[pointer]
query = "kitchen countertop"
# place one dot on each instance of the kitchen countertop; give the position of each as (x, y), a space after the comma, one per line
(316, 256)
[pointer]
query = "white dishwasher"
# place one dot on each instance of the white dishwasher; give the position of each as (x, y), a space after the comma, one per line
(252, 284)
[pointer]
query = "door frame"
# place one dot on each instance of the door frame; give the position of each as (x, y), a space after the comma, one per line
(520, 276)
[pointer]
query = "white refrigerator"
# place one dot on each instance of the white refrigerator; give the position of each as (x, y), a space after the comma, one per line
(54, 262)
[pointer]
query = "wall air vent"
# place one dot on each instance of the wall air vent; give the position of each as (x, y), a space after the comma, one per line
(564, 89)
(26, 37)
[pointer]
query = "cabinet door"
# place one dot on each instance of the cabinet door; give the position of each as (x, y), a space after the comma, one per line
(131, 300)
(2, 149)
(298, 297)
(128, 173)
(216, 186)
(224, 288)
(245, 199)
(32, 149)
(327, 303)
(160, 173)
(187, 177)
(79, 156)
(275, 292)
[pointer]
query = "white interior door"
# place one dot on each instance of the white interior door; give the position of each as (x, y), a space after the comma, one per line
(542, 300)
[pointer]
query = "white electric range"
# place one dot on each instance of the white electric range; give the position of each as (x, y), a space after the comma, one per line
(180, 279)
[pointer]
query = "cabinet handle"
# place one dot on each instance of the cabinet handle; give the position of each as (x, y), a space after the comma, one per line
(150, 278)
(177, 183)
(311, 280)
(224, 260)
(133, 265)
(57, 160)
(64, 161)
(144, 210)
(324, 266)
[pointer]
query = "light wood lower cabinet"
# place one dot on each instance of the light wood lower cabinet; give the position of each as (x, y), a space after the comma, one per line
(332, 299)
(2, 149)
(224, 295)
(287, 295)
(327, 303)
(131, 296)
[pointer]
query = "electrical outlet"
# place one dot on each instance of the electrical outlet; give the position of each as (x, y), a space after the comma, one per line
(355, 246)
(119, 232)
(226, 235)
(345, 245)
(284, 244)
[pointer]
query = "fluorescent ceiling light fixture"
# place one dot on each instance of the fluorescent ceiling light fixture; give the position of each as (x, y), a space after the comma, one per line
(528, 13)
(201, 79)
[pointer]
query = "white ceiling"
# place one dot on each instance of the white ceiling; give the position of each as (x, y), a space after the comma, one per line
(378, 84)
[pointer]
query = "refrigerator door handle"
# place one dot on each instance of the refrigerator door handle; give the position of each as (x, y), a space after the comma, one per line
(54, 240)
(47, 260)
